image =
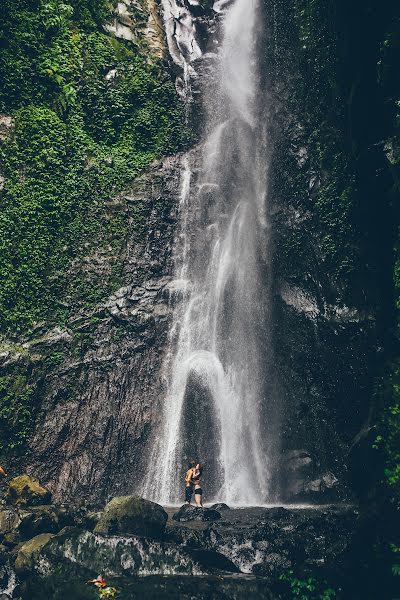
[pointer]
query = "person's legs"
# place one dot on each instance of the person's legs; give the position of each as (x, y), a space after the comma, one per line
(188, 494)
(198, 496)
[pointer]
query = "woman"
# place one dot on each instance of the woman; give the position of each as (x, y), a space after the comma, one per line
(198, 492)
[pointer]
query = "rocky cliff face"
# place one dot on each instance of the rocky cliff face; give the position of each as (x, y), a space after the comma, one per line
(331, 280)
(97, 381)
(79, 395)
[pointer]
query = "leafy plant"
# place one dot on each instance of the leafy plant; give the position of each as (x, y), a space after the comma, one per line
(309, 589)
(15, 411)
(396, 566)
(104, 590)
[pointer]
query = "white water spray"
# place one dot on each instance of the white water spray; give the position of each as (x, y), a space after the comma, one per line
(212, 410)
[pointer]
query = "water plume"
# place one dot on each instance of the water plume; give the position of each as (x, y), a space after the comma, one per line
(214, 368)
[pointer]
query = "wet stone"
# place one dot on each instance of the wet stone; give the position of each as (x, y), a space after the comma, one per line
(220, 506)
(132, 515)
(9, 520)
(195, 513)
(272, 562)
(27, 491)
(185, 537)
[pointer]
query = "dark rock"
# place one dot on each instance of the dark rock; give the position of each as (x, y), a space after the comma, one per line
(29, 553)
(185, 537)
(304, 480)
(129, 346)
(298, 460)
(226, 587)
(195, 513)
(124, 556)
(27, 491)
(323, 488)
(7, 574)
(131, 514)
(42, 519)
(365, 463)
(279, 513)
(308, 538)
(215, 560)
(9, 520)
(12, 539)
(272, 563)
(220, 506)
(89, 520)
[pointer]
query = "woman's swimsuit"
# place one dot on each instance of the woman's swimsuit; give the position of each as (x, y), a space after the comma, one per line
(196, 481)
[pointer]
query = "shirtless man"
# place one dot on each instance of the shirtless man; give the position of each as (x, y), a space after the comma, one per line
(198, 492)
(189, 481)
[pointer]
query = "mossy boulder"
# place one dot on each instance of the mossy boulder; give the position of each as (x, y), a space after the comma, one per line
(12, 539)
(29, 552)
(27, 491)
(132, 515)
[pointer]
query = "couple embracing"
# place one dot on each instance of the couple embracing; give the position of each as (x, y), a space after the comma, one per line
(193, 484)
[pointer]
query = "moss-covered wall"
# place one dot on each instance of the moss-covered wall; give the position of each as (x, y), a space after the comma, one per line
(90, 112)
(82, 114)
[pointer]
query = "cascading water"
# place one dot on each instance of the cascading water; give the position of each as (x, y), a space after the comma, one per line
(213, 407)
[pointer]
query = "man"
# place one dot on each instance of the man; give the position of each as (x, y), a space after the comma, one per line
(189, 481)
(198, 491)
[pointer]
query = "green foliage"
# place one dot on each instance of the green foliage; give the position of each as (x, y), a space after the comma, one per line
(396, 565)
(309, 589)
(334, 203)
(54, 359)
(102, 588)
(388, 438)
(389, 428)
(319, 171)
(79, 138)
(315, 19)
(15, 411)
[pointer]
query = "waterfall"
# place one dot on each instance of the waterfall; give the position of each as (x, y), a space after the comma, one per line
(213, 407)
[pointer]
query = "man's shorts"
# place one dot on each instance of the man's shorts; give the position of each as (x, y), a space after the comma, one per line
(188, 493)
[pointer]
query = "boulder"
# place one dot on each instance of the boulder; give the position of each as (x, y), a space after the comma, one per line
(220, 506)
(228, 586)
(29, 552)
(11, 539)
(195, 513)
(74, 550)
(27, 491)
(273, 563)
(89, 520)
(185, 536)
(41, 519)
(9, 520)
(132, 515)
